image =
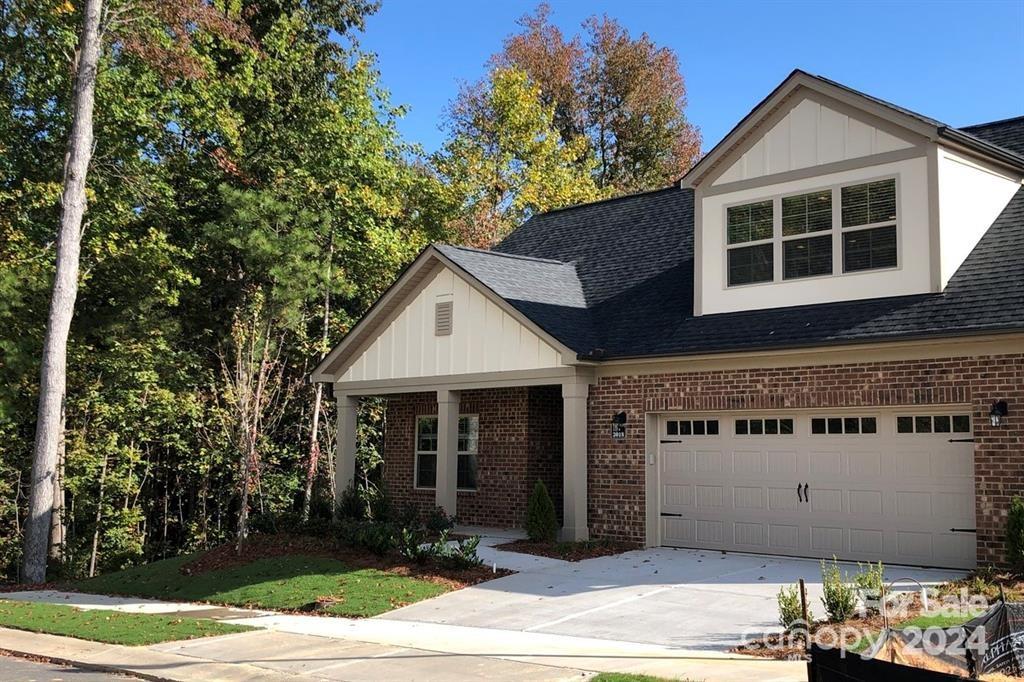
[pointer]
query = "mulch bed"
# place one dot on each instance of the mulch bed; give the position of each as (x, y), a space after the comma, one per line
(568, 551)
(283, 544)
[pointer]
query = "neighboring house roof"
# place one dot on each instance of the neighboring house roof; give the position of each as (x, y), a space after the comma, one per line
(1008, 133)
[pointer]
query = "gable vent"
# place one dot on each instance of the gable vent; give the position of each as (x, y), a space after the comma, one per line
(443, 318)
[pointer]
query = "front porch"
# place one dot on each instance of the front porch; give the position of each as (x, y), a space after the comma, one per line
(477, 446)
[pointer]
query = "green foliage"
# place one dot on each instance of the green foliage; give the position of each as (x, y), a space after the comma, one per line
(790, 611)
(112, 627)
(840, 597)
(870, 582)
(506, 161)
(458, 554)
(286, 582)
(439, 521)
(541, 520)
(256, 161)
(1015, 532)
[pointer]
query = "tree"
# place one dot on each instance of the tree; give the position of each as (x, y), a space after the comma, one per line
(53, 379)
(626, 96)
(506, 161)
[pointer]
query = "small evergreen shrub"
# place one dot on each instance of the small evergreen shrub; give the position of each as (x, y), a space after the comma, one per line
(1015, 533)
(458, 555)
(790, 613)
(541, 520)
(869, 581)
(840, 597)
(439, 521)
(412, 545)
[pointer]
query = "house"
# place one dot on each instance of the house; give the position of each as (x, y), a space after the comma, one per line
(812, 346)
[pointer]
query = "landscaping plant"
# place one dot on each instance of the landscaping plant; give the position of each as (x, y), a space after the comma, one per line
(790, 613)
(541, 521)
(839, 598)
(439, 521)
(1015, 533)
(869, 581)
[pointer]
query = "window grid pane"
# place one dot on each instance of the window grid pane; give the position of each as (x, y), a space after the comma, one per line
(466, 472)
(870, 203)
(869, 249)
(807, 257)
(750, 222)
(751, 264)
(807, 213)
(426, 471)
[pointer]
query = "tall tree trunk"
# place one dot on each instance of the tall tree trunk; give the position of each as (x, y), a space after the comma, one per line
(53, 379)
(99, 519)
(314, 433)
(57, 532)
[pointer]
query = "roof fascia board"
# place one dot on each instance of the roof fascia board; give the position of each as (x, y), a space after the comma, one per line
(961, 146)
(767, 113)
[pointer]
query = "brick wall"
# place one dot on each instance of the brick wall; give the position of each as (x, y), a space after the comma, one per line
(616, 468)
(520, 440)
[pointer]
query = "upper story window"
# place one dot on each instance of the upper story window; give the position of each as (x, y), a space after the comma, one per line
(801, 232)
(751, 223)
(869, 226)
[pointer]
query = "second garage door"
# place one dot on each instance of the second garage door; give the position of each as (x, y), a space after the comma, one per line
(874, 485)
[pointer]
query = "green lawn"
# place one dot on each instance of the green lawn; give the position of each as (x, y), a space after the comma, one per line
(628, 677)
(112, 627)
(935, 620)
(287, 582)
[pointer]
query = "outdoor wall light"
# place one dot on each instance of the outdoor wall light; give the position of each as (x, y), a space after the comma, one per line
(998, 412)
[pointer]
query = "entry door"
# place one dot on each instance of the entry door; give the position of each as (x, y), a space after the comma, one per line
(868, 485)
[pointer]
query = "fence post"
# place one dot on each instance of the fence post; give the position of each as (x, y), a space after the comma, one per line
(803, 614)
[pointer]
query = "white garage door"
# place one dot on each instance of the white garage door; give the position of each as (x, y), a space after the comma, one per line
(874, 485)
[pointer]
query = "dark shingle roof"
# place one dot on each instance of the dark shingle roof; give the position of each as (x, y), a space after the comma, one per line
(1008, 133)
(617, 275)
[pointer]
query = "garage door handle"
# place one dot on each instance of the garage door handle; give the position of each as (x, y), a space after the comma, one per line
(807, 493)
(799, 495)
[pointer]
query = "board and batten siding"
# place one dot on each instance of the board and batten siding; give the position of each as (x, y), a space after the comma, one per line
(483, 338)
(811, 134)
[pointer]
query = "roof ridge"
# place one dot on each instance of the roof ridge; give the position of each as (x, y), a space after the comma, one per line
(992, 123)
(516, 256)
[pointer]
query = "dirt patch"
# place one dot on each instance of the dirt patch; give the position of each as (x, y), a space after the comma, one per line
(568, 551)
(282, 544)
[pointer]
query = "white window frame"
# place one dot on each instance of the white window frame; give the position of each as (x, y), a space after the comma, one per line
(837, 232)
(461, 453)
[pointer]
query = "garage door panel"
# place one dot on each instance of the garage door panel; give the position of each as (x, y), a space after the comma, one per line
(709, 496)
(826, 501)
(677, 495)
(748, 497)
(828, 540)
(871, 496)
(748, 462)
(783, 499)
(783, 464)
(709, 462)
(867, 541)
(826, 463)
(750, 534)
(866, 503)
(783, 537)
(864, 464)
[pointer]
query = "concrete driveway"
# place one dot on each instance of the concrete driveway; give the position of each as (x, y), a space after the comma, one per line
(681, 598)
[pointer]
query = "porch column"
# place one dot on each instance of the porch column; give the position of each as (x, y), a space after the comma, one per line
(446, 485)
(345, 459)
(574, 460)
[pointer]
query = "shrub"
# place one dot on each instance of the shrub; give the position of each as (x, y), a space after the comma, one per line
(460, 555)
(439, 521)
(407, 516)
(869, 581)
(1015, 533)
(378, 537)
(790, 613)
(840, 598)
(411, 545)
(541, 521)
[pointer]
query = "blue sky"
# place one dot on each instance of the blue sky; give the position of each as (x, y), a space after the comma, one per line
(959, 62)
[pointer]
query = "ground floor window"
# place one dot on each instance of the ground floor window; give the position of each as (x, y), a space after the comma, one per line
(426, 451)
